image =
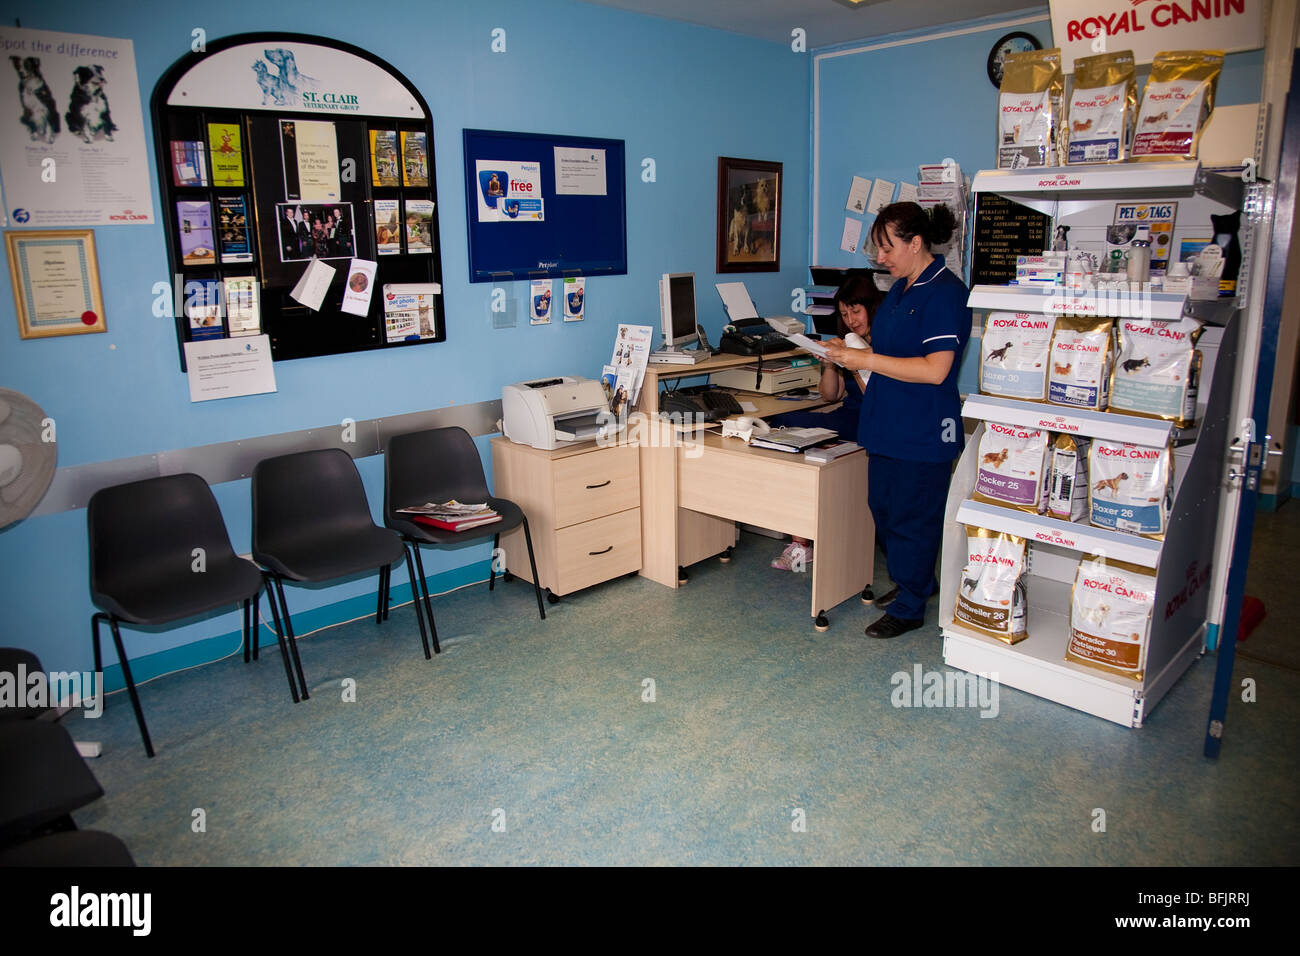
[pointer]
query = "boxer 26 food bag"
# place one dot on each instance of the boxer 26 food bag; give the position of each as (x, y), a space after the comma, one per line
(1029, 109)
(1156, 369)
(991, 596)
(1110, 616)
(1130, 487)
(1099, 127)
(1013, 355)
(1176, 104)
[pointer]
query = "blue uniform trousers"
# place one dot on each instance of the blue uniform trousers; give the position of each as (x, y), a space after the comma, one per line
(907, 501)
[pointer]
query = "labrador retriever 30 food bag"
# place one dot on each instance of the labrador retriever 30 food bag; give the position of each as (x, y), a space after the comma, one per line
(1079, 371)
(1013, 355)
(991, 597)
(1156, 369)
(1099, 127)
(1029, 109)
(1012, 467)
(1177, 104)
(1130, 487)
(1110, 616)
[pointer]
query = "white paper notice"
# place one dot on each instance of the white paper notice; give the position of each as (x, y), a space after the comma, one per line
(882, 191)
(852, 233)
(907, 192)
(579, 171)
(56, 122)
(736, 298)
(226, 368)
(313, 285)
(361, 283)
(858, 195)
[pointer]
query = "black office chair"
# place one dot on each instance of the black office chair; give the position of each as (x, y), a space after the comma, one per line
(144, 568)
(438, 465)
(312, 523)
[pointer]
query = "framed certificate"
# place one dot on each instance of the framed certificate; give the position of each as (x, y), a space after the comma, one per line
(56, 281)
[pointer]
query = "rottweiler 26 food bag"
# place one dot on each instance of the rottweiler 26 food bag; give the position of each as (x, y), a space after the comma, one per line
(991, 596)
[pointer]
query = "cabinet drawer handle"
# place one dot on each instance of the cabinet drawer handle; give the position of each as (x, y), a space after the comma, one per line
(606, 551)
(601, 485)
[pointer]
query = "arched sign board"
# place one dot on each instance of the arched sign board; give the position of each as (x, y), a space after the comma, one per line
(279, 150)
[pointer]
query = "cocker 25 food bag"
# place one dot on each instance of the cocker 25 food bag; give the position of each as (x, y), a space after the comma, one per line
(1110, 616)
(1013, 354)
(1156, 370)
(1099, 126)
(1130, 487)
(1012, 467)
(991, 597)
(1029, 109)
(1176, 104)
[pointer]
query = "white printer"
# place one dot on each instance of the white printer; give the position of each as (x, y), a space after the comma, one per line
(551, 413)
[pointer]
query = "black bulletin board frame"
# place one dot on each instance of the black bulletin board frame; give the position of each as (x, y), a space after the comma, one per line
(580, 235)
(294, 330)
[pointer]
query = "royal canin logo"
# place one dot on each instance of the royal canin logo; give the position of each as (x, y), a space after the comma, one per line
(1060, 181)
(127, 215)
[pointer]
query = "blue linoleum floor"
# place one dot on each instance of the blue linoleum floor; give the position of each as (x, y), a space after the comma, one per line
(529, 742)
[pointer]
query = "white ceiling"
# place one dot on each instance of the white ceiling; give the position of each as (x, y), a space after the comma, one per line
(826, 22)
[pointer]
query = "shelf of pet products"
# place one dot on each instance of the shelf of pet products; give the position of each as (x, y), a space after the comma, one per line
(1116, 302)
(1059, 551)
(1035, 186)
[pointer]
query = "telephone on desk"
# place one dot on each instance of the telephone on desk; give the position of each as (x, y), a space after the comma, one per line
(754, 337)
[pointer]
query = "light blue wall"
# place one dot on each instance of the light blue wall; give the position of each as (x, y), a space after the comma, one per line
(679, 94)
(883, 112)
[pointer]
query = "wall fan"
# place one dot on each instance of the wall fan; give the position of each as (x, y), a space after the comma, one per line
(26, 461)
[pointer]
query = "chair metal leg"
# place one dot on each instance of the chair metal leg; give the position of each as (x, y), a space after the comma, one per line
(419, 612)
(94, 631)
(279, 635)
(130, 685)
(492, 568)
(379, 604)
(424, 594)
(247, 649)
(532, 563)
(257, 623)
(388, 591)
(289, 636)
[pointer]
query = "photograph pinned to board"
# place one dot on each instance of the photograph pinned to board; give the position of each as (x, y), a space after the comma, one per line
(313, 284)
(539, 302)
(310, 152)
(419, 226)
(631, 354)
(189, 163)
(83, 111)
(316, 231)
(55, 278)
(243, 314)
(359, 287)
(194, 222)
(415, 159)
(575, 299)
(509, 191)
(388, 227)
(232, 229)
(749, 215)
(227, 155)
(410, 311)
(383, 158)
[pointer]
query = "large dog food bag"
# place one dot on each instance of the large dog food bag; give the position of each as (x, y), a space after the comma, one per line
(1029, 109)
(1080, 359)
(1110, 616)
(1130, 487)
(1012, 467)
(991, 596)
(1099, 127)
(1067, 496)
(1176, 104)
(1013, 355)
(1156, 369)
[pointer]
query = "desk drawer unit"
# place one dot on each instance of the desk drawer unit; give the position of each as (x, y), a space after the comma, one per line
(584, 510)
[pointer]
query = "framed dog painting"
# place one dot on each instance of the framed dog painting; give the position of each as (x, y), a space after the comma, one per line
(749, 215)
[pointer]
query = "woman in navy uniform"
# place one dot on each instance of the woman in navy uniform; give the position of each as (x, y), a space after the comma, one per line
(910, 422)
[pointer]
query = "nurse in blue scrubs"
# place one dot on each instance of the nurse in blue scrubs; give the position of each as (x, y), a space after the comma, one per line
(910, 423)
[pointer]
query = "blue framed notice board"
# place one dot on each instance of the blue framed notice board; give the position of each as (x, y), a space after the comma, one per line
(540, 206)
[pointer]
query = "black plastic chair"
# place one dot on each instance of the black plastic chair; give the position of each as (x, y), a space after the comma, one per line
(76, 848)
(16, 661)
(437, 465)
(143, 537)
(312, 523)
(45, 780)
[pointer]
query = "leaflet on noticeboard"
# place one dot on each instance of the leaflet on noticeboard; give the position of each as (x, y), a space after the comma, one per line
(509, 191)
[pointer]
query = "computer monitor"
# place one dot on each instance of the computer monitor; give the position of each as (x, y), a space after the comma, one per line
(677, 308)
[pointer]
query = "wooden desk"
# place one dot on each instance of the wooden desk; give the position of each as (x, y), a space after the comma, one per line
(694, 488)
(765, 405)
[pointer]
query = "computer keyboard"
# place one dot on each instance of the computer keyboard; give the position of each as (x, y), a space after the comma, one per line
(724, 403)
(710, 404)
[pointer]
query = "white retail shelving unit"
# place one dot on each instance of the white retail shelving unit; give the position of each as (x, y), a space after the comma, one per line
(1183, 562)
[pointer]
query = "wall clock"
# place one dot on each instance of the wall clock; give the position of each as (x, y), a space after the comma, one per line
(1017, 42)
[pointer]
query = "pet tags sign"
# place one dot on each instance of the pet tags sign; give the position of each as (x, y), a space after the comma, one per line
(72, 148)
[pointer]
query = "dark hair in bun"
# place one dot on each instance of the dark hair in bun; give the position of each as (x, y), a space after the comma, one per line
(910, 220)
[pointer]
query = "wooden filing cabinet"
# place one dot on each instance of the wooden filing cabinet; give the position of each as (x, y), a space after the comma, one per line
(584, 511)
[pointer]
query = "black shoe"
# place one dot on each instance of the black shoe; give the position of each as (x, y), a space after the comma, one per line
(889, 626)
(886, 598)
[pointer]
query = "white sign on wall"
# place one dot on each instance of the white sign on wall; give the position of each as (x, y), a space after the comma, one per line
(1148, 27)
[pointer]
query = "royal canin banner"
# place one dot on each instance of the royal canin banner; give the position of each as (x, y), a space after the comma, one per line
(1148, 27)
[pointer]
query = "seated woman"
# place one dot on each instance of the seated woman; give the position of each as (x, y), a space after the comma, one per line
(856, 301)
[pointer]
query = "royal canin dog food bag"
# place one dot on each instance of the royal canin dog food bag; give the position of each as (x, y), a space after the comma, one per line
(1156, 369)
(991, 597)
(1110, 616)
(1012, 467)
(1013, 355)
(1130, 487)
(1067, 483)
(1080, 359)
